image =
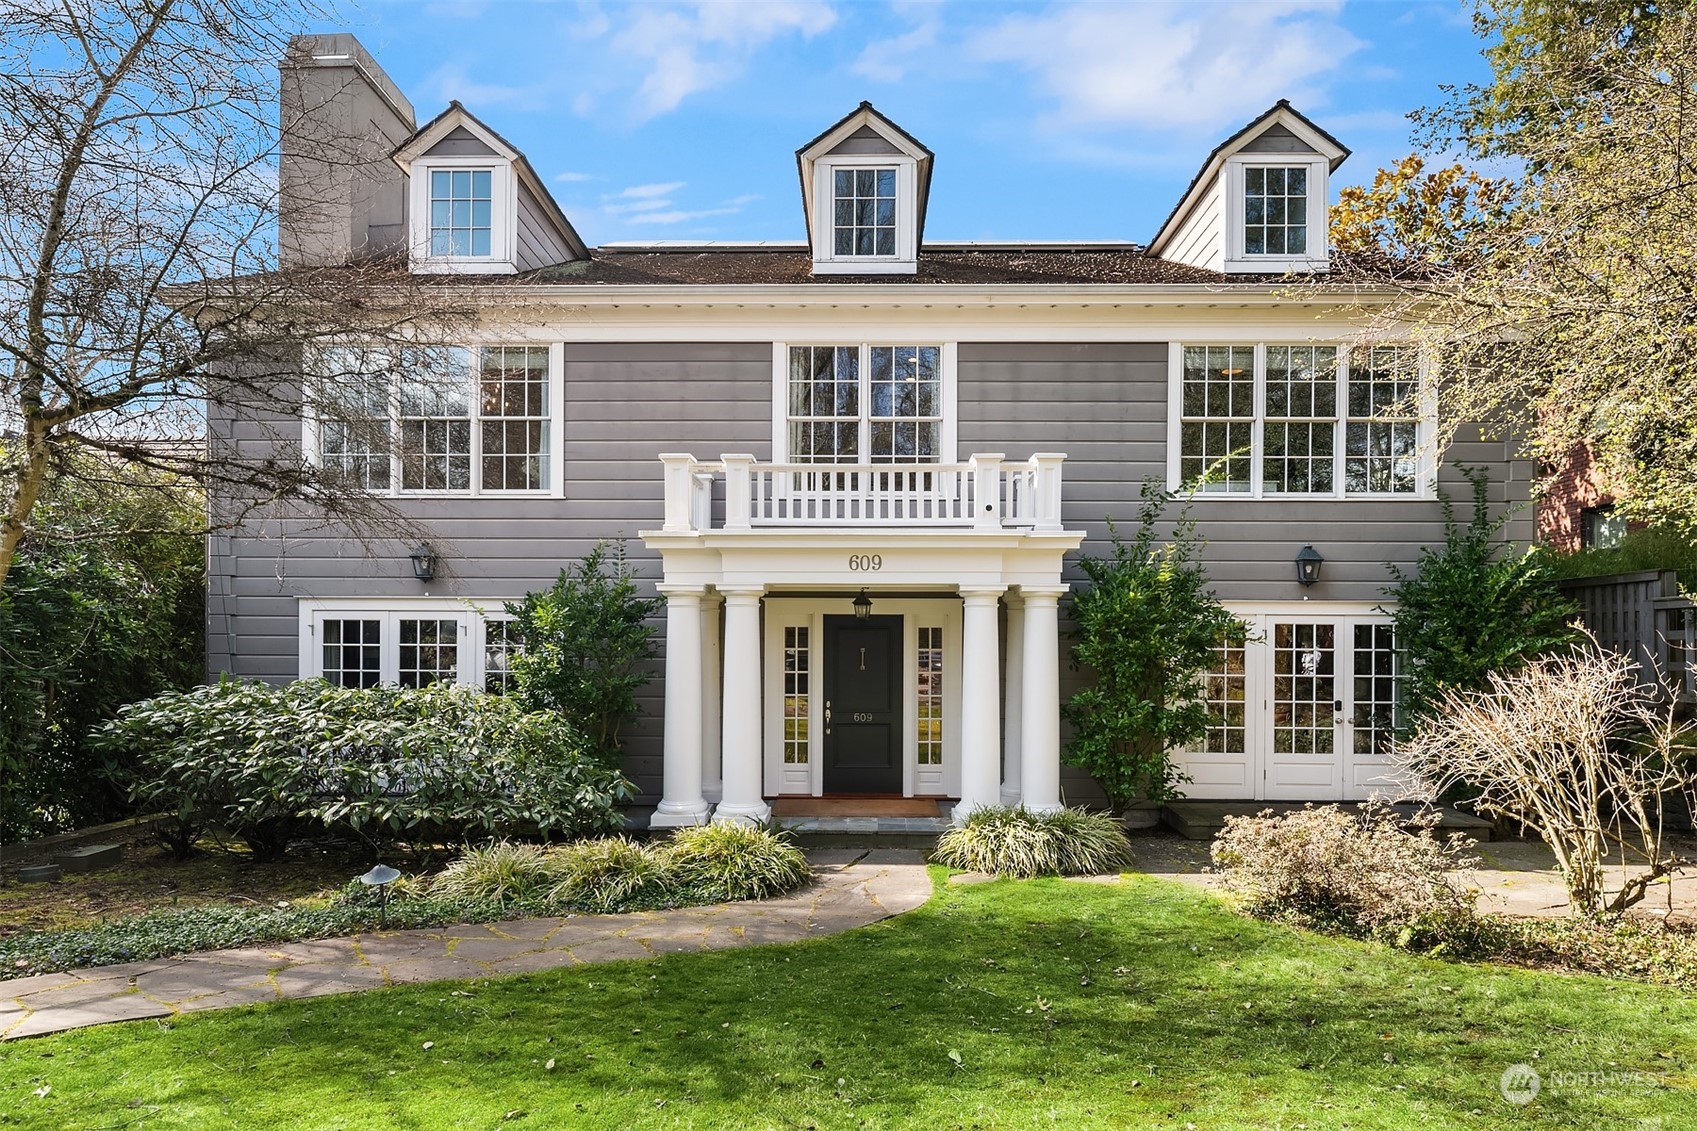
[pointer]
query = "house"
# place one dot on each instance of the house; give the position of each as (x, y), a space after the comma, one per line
(860, 467)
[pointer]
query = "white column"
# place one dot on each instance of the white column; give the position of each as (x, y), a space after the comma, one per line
(980, 707)
(743, 800)
(710, 687)
(1013, 698)
(1040, 745)
(681, 802)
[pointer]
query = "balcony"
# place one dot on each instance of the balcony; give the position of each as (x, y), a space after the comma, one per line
(986, 493)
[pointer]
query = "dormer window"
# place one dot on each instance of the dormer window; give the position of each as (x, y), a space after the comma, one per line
(865, 203)
(864, 183)
(460, 212)
(474, 204)
(1275, 210)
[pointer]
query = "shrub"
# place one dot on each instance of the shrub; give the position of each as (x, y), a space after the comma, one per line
(439, 761)
(1466, 612)
(1019, 843)
(501, 872)
(1361, 874)
(733, 861)
(1576, 748)
(1146, 629)
(610, 874)
(586, 646)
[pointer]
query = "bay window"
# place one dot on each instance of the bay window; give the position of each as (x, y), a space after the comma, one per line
(1316, 421)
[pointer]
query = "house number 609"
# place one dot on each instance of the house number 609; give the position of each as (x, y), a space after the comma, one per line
(860, 563)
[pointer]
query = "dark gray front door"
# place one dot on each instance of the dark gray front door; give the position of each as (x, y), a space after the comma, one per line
(863, 704)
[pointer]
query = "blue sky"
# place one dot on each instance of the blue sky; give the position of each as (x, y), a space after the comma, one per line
(1050, 121)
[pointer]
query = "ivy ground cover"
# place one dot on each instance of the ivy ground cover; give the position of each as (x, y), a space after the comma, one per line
(1043, 1003)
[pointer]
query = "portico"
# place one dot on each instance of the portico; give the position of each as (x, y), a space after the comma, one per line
(779, 682)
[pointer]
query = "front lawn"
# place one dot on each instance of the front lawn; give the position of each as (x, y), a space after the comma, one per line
(1042, 1003)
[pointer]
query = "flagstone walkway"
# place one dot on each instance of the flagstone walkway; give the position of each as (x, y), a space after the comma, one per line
(852, 888)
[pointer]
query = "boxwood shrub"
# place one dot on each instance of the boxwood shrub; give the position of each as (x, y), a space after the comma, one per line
(381, 763)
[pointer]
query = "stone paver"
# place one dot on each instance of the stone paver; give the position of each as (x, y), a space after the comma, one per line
(851, 889)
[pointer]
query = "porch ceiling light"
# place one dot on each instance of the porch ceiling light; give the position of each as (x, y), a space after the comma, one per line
(1308, 563)
(862, 606)
(423, 562)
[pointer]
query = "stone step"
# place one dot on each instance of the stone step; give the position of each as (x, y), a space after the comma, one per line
(90, 857)
(1201, 820)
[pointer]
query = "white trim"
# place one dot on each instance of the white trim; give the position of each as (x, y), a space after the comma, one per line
(810, 612)
(1238, 261)
(311, 445)
(1426, 474)
(948, 361)
(905, 261)
(503, 217)
(471, 613)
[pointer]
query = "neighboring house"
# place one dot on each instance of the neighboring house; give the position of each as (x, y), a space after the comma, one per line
(1576, 508)
(784, 432)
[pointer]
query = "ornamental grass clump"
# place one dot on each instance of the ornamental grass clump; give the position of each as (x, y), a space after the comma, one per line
(503, 872)
(734, 861)
(1020, 844)
(1367, 874)
(610, 874)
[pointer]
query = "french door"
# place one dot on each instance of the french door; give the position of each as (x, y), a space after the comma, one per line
(1303, 711)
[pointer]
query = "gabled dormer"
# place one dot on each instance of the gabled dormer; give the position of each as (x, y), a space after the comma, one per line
(1259, 204)
(864, 184)
(474, 204)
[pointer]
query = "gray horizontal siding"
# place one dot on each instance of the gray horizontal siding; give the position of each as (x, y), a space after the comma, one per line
(623, 405)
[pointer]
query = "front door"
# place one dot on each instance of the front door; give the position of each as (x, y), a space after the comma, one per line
(1305, 759)
(863, 705)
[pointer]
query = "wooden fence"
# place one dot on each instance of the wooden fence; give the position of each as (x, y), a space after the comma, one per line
(1643, 616)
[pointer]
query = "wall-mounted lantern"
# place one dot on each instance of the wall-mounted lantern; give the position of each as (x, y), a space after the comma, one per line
(862, 606)
(1308, 563)
(423, 562)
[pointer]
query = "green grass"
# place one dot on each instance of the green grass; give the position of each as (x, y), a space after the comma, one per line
(1044, 1003)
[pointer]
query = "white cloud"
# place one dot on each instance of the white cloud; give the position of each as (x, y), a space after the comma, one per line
(889, 60)
(572, 178)
(694, 47)
(1167, 65)
(451, 83)
(652, 190)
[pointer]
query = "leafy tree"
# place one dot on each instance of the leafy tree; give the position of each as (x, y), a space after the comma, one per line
(1146, 628)
(104, 606)
(141, 290)
(1560, 302)
(586, 647)
(1469, 609)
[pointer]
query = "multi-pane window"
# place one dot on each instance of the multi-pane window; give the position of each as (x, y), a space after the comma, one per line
(1223, 691)
(1299, 430)
(429, 652)
(1382, 438)
(437, 418)
(352, 652)
(1275, 420)
(513, 384)
(436, 425)
(930, 693)
(865, 404)
(353, 402)
(500, 645)
(864, 211)
(1218, 417)
(1275, 210)
(460, 202)
(796, 691)
(1375, 689)
(1303, 688)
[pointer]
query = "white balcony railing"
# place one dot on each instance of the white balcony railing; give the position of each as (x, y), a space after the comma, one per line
(985, 493)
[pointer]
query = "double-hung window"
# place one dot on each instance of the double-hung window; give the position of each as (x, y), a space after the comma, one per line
(863, 203)
(1275, 420)
(439, 420)
(865, 404)
(461, 204)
